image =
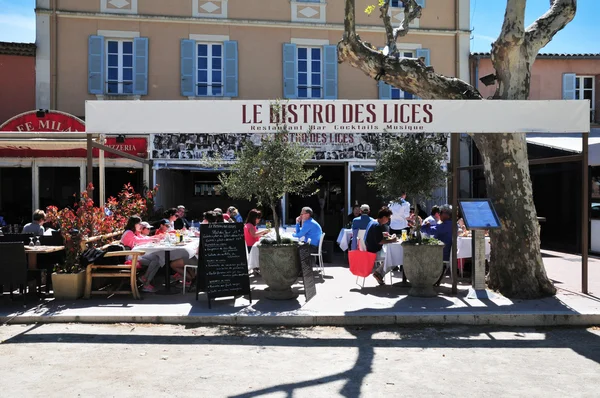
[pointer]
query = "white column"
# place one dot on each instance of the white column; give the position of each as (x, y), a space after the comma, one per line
(82, 176)
(146, 174)
(101, 182)
(283, 209)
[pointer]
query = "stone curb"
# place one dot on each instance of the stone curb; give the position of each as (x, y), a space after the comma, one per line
(475, 319)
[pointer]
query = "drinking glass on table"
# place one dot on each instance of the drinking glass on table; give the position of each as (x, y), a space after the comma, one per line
(31, 242)
(404, 235)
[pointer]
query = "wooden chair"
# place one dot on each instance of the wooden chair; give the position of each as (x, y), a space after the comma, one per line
(114, 271)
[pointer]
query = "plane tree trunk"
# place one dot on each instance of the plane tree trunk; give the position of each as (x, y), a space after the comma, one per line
(516, 268)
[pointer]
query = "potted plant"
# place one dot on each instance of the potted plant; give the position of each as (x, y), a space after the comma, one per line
(83, 221)
(412, 164)
(266, 173)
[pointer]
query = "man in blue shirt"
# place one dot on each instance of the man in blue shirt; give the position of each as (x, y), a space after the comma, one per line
(308, 228)
(442, 231)
(360, 223)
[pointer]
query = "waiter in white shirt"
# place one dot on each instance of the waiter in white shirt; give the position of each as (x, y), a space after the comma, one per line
(400, 214)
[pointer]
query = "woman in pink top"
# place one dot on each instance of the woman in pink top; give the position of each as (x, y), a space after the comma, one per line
(132, 238)
(250, 233)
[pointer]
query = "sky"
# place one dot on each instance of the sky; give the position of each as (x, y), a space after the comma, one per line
(17, 24)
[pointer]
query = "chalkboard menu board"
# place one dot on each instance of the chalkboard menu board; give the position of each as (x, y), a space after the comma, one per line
(222, 261)
(306, 261)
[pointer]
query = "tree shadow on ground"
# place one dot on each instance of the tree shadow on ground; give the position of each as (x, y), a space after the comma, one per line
(364, 339)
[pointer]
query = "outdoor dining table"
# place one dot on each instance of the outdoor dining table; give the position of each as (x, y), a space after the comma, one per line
(253, 255)
(394, 253)
(190, 245)
(344, 239)
(33, 251)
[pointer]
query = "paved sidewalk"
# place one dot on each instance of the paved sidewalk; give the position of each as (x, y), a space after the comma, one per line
(339, 301)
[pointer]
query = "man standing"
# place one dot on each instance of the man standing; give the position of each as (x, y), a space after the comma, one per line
(308, 228)
(35, 227)
(360, 223)
(181, 222)
(400, 213)
(375, 238)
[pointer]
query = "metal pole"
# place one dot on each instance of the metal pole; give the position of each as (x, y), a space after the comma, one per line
(101, 177)
(454, 159)
(90, 165)
(584, 215)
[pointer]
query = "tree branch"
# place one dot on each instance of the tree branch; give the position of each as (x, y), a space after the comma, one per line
(513, 27)
(389, 30)
(539, 33)
(408, 74)
(412, 11)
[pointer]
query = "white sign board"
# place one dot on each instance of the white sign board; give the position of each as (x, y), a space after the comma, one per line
(339, 116)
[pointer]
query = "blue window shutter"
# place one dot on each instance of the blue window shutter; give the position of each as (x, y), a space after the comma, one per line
(385, 90)
(568, 86)
(424, 53)
(96, 65)
(290, 71)
(331, 72)
(421, 3)
(230, 50)
(188, 68)
(140, 66)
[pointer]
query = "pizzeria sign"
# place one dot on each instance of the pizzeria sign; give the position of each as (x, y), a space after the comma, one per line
(365, 116)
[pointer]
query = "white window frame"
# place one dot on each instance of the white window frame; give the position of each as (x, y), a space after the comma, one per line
(309, 71)
(209, 69)
(580, 79)
(403, 54)
(120, 66)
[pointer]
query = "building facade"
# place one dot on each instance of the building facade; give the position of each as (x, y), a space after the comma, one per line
(557, 187)
(232, 49)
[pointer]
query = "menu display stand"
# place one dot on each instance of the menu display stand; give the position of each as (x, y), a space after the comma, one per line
(222, 262)
(479, 215)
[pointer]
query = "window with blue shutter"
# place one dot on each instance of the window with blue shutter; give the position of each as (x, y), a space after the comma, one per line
(140, 66)
(290, 85)
(330, 72)
(231, 68)
(119, 67)
(96, 65)
(188, 68)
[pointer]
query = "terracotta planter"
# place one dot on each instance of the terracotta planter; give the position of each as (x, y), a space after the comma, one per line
(423, 266)
(279, 267)
(68, 286)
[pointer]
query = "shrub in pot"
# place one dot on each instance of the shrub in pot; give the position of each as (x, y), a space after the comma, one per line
(266, 173)
(412, 164)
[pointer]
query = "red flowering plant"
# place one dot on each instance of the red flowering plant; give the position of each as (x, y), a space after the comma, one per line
(130, 203)
(84, 220)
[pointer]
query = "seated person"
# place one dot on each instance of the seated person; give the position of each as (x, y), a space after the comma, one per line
(181, 222)
(177, 256)
(251, 235)
(235, 214)
(355, 213)
(375, 238)
(35, 227)
(308, 228)
(133, 237)
(434, 216)
(360, 223)
(171, 215)
(443, 230)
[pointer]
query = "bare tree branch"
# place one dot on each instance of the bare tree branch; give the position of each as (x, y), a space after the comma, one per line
(389, 30)
(539, 33)
(412, 11)
(408, 74)
(513, 27)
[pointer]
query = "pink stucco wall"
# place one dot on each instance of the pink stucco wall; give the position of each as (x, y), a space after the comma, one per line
(546, 77)
(17, 85)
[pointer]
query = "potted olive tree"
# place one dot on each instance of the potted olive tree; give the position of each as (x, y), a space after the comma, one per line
(412, 164)
(266, 173)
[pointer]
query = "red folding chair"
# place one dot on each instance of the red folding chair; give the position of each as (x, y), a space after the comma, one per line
(361, 264)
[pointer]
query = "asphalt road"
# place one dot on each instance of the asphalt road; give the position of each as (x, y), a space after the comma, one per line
(132, 360)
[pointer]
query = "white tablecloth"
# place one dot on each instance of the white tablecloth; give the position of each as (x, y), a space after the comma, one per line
(344, 239)
(465, 247)
(253, 256)
(394, 253)
(186, 251)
